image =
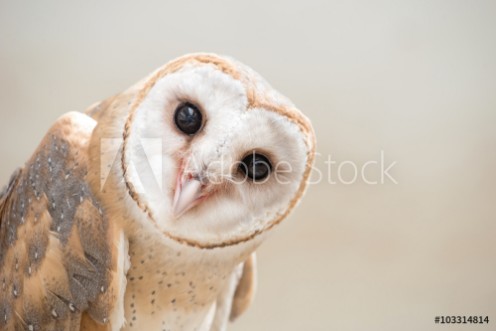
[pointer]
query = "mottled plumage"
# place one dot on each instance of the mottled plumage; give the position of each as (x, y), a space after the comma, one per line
(57, 256)
(98, 230)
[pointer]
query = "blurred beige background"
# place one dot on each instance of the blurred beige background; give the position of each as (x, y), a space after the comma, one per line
(415, 79)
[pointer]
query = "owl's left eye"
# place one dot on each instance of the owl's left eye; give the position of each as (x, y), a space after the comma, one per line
(188, 118)
(256, 166)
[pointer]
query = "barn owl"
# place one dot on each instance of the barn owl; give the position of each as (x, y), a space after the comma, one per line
(144, 211)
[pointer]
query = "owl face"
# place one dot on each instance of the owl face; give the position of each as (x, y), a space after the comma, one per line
(208, 166)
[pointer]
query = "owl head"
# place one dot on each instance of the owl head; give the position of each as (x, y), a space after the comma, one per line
(207, 153)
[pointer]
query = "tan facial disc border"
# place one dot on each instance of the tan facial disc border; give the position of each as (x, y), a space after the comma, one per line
(254, 101)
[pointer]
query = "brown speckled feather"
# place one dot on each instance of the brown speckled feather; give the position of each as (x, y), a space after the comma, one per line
(57, 263)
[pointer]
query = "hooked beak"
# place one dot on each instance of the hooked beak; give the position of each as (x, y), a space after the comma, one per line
(188, 193)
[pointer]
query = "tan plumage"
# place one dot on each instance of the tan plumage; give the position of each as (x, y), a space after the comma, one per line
(245, 289)
(57, 258)
(79, 251)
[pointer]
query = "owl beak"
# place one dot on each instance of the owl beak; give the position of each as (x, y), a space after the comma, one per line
(187, 195)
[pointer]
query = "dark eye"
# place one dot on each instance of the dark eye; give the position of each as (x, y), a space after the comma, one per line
(256, 166)
(188, 118)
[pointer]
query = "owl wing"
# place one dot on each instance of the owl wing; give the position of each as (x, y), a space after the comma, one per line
(245, 290)
(62, 262)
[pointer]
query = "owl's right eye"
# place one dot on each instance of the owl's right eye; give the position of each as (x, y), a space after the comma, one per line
(188, 118)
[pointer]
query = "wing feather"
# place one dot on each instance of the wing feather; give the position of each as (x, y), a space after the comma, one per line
(58, 256)
(245, 291)
(7, 189)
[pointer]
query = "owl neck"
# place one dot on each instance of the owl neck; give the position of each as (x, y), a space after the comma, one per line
(165, 277)
(155, 252)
